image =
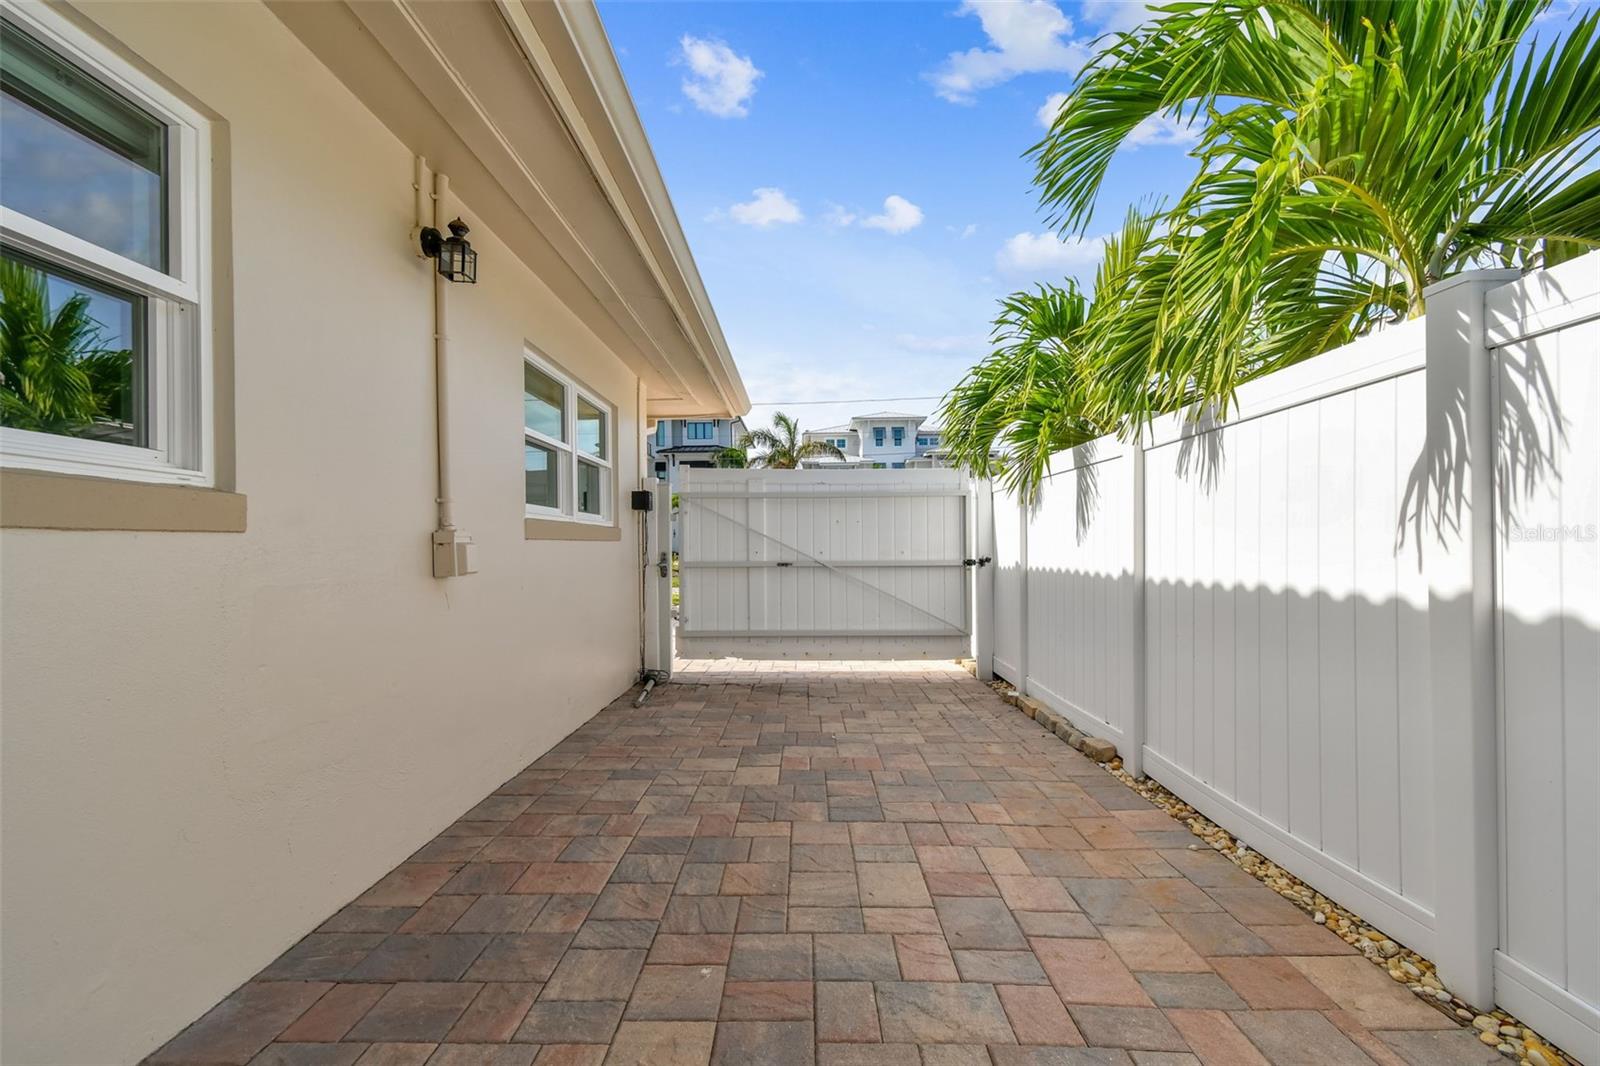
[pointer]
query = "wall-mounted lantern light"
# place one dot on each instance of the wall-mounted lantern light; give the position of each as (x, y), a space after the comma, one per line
(457, 261)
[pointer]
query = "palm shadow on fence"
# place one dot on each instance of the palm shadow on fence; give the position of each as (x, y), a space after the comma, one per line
(1530, 432)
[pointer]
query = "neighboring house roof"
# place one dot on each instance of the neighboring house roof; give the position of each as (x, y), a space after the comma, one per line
(827, 430)
(524, 107)
(881, 416)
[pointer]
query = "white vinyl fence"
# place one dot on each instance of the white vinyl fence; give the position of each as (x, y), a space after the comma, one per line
(1358, 624)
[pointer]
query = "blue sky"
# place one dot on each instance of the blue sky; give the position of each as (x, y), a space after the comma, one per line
(784, 129)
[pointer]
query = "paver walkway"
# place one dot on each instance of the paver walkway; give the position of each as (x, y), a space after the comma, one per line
(839, 864)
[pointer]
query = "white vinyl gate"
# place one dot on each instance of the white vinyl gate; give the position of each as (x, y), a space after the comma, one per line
(851, 564)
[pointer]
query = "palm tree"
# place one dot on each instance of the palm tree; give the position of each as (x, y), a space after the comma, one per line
(1354, 152)
(1028, 399)
(56, 375)
(782, 448)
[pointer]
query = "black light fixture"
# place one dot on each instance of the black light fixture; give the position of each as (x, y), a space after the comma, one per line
(454, 255)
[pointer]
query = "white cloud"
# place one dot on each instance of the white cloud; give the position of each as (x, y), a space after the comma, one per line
(1049, 109)
(838, 215)
(1025, 37)
(1034, 253)
(770, 207)
(1162, 129)
(1112, 15)
(899, 215)
(968, 230)
(720, 82)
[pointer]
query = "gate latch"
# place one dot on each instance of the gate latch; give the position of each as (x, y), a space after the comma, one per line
(664, 567)
(985, 561)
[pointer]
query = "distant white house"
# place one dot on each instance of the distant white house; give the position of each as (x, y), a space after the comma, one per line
(882, 440)
(680, 442)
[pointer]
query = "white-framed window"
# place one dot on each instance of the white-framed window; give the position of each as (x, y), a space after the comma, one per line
(104, 216)
(567, 446)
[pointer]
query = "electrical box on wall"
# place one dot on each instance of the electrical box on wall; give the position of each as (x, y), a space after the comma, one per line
(454, 553)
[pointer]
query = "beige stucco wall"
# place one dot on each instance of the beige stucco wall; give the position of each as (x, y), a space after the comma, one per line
(211, 741)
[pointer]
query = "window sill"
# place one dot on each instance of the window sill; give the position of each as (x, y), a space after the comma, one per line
(557, 529)
(34, 500)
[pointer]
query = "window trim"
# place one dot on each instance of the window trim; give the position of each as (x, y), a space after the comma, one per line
(177, 327)
(569, 454)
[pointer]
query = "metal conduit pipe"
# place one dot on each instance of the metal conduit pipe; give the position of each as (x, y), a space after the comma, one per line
(441, 363)
(454, 553)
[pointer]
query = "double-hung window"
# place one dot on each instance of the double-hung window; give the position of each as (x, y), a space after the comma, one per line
(899, 436)
(877, 436)
(105, 366)
(567, 446)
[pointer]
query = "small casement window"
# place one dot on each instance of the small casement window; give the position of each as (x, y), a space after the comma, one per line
(700, 431)
(877, 436)
(567, 446)
(840, 443)
(104, 357)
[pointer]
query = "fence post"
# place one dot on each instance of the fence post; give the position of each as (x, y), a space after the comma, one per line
(1457, 505)
(983, 579)
(659, 525)
(1133, 759)
(1022, 597)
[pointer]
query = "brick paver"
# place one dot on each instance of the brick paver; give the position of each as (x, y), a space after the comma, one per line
(817, 863)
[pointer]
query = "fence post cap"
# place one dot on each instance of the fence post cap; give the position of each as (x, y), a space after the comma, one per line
(1494, 276)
